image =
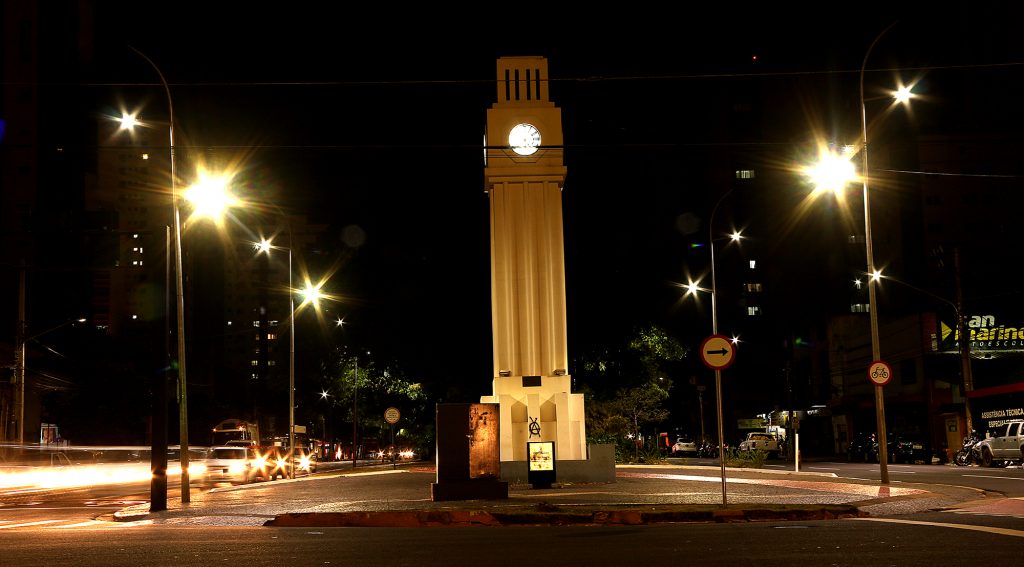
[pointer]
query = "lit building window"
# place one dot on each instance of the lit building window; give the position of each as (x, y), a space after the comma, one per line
(271, 363)
(753, 264)
(753, 310)
(859, 308)
(271, 336)
(744, 174)
(255, 363)
(752, 287)
(256, 323)
(145, 156)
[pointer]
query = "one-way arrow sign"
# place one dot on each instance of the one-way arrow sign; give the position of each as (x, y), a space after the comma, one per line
(717, 352)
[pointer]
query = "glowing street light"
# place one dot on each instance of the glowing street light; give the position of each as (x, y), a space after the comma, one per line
(832, 174)
(130, 120)
(311, 295)
(210, 196)
(202, 194)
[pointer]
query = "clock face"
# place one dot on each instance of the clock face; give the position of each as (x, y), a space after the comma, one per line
(524, 139)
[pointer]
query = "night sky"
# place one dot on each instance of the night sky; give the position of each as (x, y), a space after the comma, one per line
(371, 121)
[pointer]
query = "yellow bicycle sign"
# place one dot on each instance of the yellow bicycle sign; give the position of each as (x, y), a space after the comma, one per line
(880, 373)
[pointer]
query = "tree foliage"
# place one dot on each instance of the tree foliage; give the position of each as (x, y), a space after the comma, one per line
(626, 385)
(357, 386)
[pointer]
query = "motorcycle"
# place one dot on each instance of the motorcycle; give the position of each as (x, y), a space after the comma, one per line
(968, 454)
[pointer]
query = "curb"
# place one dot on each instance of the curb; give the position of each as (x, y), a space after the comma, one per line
(625, 517)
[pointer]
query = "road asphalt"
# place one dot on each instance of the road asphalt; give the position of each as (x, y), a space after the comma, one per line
(400, 496)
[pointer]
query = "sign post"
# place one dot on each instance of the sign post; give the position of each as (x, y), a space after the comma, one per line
(718, 352)
(392, 415)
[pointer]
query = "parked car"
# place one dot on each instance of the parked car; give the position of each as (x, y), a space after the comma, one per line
(862, 448)
(684, 447)
(758, 441)
(905, 448)
(1002, 445)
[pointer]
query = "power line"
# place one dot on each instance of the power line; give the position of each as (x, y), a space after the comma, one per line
(489, 82)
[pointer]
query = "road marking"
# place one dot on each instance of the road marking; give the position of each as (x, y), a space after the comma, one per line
(986, 529)
(825, 468)
(845, 488)
(374, 473)
(28, 524)
(993, 476)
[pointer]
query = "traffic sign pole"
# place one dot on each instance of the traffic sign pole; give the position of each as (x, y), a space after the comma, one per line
(718, 352)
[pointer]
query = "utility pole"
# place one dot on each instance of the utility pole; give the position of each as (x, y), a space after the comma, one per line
(19, 358)
(963, 342)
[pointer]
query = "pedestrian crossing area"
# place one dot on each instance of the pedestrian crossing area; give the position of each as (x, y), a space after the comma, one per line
(1003, 507)
(68, 524)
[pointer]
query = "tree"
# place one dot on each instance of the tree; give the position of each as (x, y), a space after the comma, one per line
(626, 386)
(361, 388)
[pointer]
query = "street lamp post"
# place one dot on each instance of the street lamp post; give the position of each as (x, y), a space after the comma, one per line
(714, 331)
(312, 294)
(355, 418)
(693, 288)
(179, 292)
(264, 246)
(833, 173)
(291, 361)
(883, 453)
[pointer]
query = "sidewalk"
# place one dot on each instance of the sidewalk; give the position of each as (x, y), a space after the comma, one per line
(642, 494)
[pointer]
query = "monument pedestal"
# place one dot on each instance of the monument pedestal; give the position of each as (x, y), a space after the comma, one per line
(467, 454)
(479, 489)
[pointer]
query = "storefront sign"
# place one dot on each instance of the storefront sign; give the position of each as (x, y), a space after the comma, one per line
(983, 334)
(995, 418)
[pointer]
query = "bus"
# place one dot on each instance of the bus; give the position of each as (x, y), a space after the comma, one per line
(236, 432)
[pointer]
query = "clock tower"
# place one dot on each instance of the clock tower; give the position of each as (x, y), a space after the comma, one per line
(524, 175)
